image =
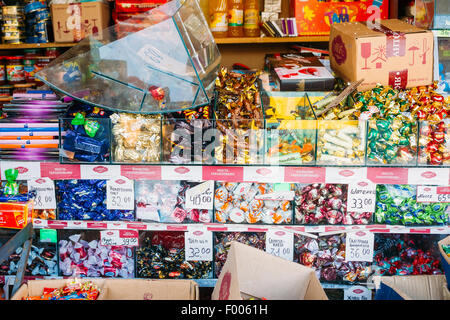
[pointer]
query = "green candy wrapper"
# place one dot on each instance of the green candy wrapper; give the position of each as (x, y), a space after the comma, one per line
(11, 186)
(90, 126)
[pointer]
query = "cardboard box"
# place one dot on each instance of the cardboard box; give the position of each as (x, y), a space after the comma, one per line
(250, 272)
(419, 287)
(316, 17)
(73, 22)
(445, 260)
(392, 53)
(16, 215)
(121, 289)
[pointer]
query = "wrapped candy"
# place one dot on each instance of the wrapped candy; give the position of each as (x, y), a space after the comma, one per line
(165, 201)
(396, 204)
(446, 249)
(222, 241)
(86, 200)
(44, 214)
(434, 143)
(83, 255)
(11, 187)
(326, 255)
(136, 137)
(239, 203)
(161, 255)
(406, 254)
(74, 290)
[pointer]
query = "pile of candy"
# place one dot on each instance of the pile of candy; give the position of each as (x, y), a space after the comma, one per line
(80, 258)
(164, 201)
(434, 143)
(45, 214)
(396, 204)
(222, 241)
(75, 290)
(86, 200)
(406, 254)
(136, 137)
(325, 204)
(239, 203)
(161, 255)
(326, 255)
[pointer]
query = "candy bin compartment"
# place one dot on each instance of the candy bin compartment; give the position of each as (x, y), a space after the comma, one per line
(347, 109)
(248, 202)
(5, 265)
(341, 142)
(81, 254)
(391, 142)
(406, 254)
(86, 200)
(161, 255)
(85, 140)
(136, 138)
(186, 136)
(434, 143)
(223, 239)
(165, 201)
(42, 259)
(326, 255)
(397, 205)
(321, 203)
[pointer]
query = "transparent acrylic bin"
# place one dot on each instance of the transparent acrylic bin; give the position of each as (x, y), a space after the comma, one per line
(434, 143)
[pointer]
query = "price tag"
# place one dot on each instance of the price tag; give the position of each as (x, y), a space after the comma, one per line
(280, 243)
(48, 235)
(359, 246)
(45, 193)
(357, 293)
(119, 238)
(200, 196)
(120, 194)
(198, 245)
(361, 196)
(433, 194)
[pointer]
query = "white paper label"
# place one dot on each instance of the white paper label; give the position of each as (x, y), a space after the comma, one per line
(264, 174)
(119, 238)
(200, 196)
(433, 194)
(434, 176)
(359, 246)
(361, 196)
(280, 243)
(357, 293)
(45, 193)
(198, 245)
(277, 195)
(27, 170)
(120, 194)
(344, 175)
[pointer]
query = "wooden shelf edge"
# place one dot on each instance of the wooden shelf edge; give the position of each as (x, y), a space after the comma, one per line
(252, 40)
(36, 45)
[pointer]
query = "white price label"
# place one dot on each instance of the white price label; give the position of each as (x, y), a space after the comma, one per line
(198, 245)
(359, 246)
(280, 243)
(357, 293)
(277, 195)
(361, 196)
(119, 238)
(120, 194)
(200, 196)
(433, 194)
(45, 193)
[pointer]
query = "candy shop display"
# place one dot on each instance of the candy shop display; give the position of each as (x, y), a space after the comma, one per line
(161, 255)
(165, 201)
(223, 239)
(397, 205)
(75, 290)
(86, 200)
(81, 254)
(136, 137)
(434, 143)
(321, 203)
(326, 255)
(406, 254)
(242, 203)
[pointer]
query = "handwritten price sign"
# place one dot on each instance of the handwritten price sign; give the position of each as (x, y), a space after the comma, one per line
(119, 238)
(198, 245)
(200, 196)
(120, 194)
(361, 196)
(45, 193)
(359, 246)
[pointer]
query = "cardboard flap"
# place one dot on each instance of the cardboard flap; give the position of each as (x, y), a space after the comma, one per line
(358, 29)
(420, 287)
(445, 241)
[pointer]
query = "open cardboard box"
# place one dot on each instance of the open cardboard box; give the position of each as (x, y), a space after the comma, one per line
(121, 289)
(250, 272)
(444, 259)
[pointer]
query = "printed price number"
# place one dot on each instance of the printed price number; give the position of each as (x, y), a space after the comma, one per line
(195, 252)
(359, 203)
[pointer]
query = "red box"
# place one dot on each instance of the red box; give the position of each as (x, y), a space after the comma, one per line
(315, 17)
(16, 215)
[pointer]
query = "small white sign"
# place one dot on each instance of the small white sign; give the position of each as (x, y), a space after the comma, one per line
(361, 196)
(264, 174)
(277, 195)
(193, 173)
(359, 246)
(198, 245)
(120, 194)
(119, 238)
(280, 243)
(430, 176)
(27, 170)
(201, 196)
(344, 175)
(99, 171)
(431, 194)
(357, 293)
(45, 193)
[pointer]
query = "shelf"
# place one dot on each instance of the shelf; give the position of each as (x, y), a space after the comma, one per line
(271, 39)
(36, 45)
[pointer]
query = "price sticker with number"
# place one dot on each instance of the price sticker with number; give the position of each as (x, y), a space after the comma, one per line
(198, 245)
(119, 238)
(359, 246)
(45, 193)
(430, 194)
(200, 196)
(280, 243)
(361, 196)
(120, 194)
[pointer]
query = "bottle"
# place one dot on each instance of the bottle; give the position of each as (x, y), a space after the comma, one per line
(218, 12)
(236, 18)
(251, 18)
